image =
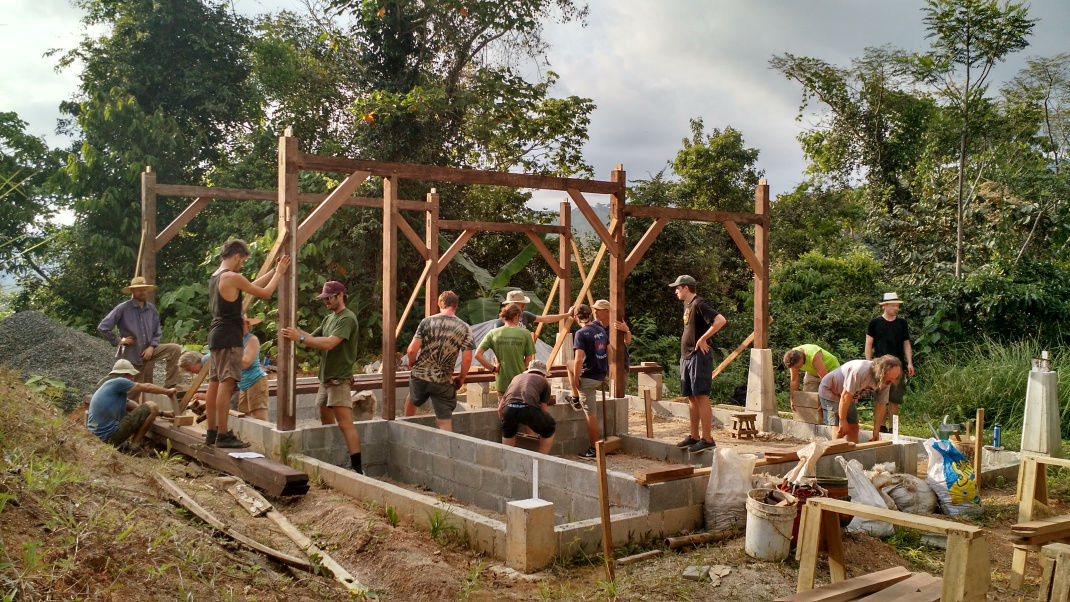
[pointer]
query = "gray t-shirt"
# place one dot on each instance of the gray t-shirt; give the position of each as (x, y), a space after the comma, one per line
(855, 377)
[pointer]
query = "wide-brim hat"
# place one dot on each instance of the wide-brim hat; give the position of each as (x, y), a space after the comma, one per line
(538, 366)
(891, 299)
(515, 297)
(137, 282)
(600, 304)
(681, 280)
(121, 367)
(252, 321)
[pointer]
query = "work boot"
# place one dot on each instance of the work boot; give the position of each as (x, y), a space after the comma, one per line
(230, 440)
(687, 442)
(210, 437)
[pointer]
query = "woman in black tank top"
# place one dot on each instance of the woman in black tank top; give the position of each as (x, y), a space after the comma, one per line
(226, 327)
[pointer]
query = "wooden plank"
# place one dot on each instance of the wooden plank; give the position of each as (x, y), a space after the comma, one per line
(390, 294)
(413, 237)
(249, 498)
(644, 243)
(648, 414)
(196, 384)
(830, 531)
(732, 356)
(549, 304)
(412, 298)
(692, 215)
(744, 246)
(431, 240)
(451, 224)
(580, 269)
(907, 589)
(180, 222)
(431, 173)
(967, 568)
(176, 493)
(649, 475)
(337, 571)
(913, 521)
(273, 478)
(541, 247)
(639, 557)
(326, 209)
(603, 498)
(851, 589)
(564, 248)
(184, 420)
(761, 275)
(242, 194)
(807, 549)
(595, 223)
(462, 238)
(1045, 526)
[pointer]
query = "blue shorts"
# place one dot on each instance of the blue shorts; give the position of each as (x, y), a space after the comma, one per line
(696, 374)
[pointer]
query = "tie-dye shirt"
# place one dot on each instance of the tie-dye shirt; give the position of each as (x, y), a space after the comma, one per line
(442, 338)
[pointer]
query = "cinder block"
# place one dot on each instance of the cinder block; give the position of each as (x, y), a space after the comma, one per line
(443, 467)
(530, 542)
(517, 463)
(519, 489)
(679, 520)
(651, 382)
(471, 477)
(489, 456)
(463, 448)
(663, 496)
(479, 395)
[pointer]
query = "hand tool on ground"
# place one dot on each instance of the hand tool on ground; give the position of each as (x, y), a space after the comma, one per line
(925, 417)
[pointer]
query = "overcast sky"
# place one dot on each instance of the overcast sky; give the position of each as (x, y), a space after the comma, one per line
(649, 66)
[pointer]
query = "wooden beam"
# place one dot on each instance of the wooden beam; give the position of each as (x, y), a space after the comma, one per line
(463, 238)
(546, 308)
(744, 246)
(450, 224)
(176, 493)
(413, 237)
(565, 244)
(648, 413)
(147, 253)
(978, 445)
(851, 589)
(180, 222)
(243, 194)
(735, 353)
(693, 215)
(412, 298)
(903, 519)
(595, 223)
(196, 384)
(580, 269)
(644, 243)
(761, 276)
(431, 173)
(607, 519)
(431, 239)
(541, 247)
(326, 209)
(618, 274)
(269, 262)
(390, 294)
(286, 244)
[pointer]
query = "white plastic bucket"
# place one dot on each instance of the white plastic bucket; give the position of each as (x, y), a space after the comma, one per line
(768, 527)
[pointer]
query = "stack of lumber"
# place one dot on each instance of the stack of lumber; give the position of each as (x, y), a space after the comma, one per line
(895, 584)
(1039, 532)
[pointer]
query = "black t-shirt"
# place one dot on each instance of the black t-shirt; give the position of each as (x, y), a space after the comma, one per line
(526, 319)
(529, 388)
(594, 341)
(888, 337)
(698, 317)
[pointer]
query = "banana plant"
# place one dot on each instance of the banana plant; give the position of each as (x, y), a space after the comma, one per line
(493, 287)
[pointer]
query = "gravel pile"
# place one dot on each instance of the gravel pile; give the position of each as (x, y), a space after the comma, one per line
(34, 344)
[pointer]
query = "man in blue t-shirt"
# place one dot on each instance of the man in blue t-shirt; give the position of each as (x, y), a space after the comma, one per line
(588, 369)
(112, 416)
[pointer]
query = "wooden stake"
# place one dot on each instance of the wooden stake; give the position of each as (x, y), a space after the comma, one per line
(603, 498)
(649, 414)
(978, 443)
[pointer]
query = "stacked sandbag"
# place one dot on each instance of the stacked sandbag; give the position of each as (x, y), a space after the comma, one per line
(905, 492)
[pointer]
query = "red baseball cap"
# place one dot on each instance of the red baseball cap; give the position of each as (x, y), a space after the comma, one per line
(331, 288)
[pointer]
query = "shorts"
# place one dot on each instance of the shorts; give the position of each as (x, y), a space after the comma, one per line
(130, 423)
(540, 421)
(696, 374)
(810, 383)
(898, 389)
(255, 397)
(589, 395)
(442, 395)
(830, 411)
(226, 363)
(335, 393)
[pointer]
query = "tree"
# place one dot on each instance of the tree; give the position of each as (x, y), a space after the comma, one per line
(969, 38)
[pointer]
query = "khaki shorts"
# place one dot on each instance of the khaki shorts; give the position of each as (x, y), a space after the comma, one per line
(589, 395)
(255, 397)
(226, 363)
(334, 393)
(130, 424)
(810, 383)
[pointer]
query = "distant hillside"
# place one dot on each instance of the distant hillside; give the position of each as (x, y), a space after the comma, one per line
(580, 227)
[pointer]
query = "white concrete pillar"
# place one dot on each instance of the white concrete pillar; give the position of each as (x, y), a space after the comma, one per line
(530, 544)
(761, 398)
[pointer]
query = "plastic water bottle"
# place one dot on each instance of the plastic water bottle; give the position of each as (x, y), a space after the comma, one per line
(997, 435)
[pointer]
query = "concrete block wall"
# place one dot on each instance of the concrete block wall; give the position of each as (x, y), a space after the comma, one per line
(307, 409)
(662, 450)
(323, 443)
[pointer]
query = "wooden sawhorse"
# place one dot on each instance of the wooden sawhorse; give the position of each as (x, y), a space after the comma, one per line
(1032, 505)
(967, 569)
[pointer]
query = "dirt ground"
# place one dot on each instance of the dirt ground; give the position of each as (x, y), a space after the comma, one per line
(81, 520)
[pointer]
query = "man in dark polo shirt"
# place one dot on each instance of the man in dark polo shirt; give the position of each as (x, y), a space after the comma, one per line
(696, 362)
(888, 334)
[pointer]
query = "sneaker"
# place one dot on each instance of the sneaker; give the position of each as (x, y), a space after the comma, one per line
(701, 445)
(576, 405)
(884, 429)
(688, 442)
(210, 437)
(230, 440)
(590, 454)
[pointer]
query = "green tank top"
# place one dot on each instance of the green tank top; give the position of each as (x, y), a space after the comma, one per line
(831, 363)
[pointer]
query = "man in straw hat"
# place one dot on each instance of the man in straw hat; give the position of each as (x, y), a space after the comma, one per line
(888, 334)
(526, 317)
(524, 403)
(112, 416)
(138, 341)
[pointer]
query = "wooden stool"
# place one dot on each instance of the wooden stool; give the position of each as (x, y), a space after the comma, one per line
(1055, 576)
(743, 426)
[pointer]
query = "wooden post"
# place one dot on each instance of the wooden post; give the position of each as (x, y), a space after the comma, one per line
(148, 231)
(648, 411)
(286, 396)
(431, 238)
(564, 246)
(618, 272)
(761, 277)
(390, 293)
(603, 498)
(978, 444)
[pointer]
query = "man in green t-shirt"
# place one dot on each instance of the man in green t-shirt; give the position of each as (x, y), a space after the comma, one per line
(512, 346)
(814, 362)
(337, 339)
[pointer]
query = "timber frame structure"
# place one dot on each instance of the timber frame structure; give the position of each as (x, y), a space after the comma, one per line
(292, 233)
